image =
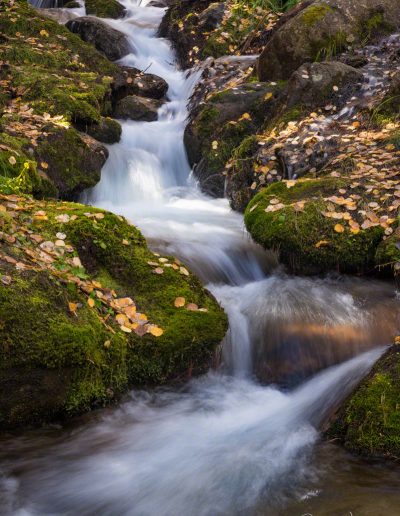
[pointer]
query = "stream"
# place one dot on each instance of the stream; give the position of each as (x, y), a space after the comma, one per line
(243, 439)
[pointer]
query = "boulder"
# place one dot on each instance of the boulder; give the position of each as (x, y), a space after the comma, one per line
(292, 220)
(73, 160)
(57, 356)
(112, 43)
(322, 30)
(368, 422)
(315, 83)
(131, 81)
(106, 131)
(221, 124)
(137, 108)
(212, 16)
(105, 8)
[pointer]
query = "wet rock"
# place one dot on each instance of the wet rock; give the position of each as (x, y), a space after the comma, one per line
(315, 83)
(355, 60)
(131, 81)
(137, 108)
(73, 160)
(368, 423)
(105, 8)
(293, 220)
(71, 5)
(322, 30)
(106, 131)
(112, 43)
(220, 125)
(185, 36)
(211, 17)
(57, 356)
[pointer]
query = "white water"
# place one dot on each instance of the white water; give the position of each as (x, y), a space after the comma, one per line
(225, 442)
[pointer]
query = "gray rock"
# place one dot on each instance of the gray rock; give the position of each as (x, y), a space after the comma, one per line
(313, 84)
(137, 108)
(131, 81)
(324, 29)
(112, 43)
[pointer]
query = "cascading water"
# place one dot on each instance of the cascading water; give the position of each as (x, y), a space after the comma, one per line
(224, 444)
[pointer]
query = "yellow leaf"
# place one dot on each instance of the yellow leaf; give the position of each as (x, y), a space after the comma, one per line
(268, 96)
(214, 145)
(72, 307)
(179, 302)
(321, 243)
(44, 33)
(156, 331)
(44, 165)
(90, 302)
(339, 228)
(245, 116)
(290, 183)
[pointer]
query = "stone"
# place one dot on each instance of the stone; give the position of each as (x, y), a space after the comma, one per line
(131, 81)
(74, 161)
(314, 83)
(137, 108)
(112, 43)
(324, 29)
(106, 131)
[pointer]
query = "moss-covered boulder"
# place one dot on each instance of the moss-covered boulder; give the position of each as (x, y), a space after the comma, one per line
(369, 421)
(315, 228)
(106, 131)
(86, 309)
(71, 160)
(323, 29)
(105, 8)
(220, 124)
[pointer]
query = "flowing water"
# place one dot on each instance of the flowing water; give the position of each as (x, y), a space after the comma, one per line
(226, 443)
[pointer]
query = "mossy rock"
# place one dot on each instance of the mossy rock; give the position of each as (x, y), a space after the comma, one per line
(57, 361)
(220, 125)
(369, 421)
(322, 30)
(105, 8)
(306, 240)
(73, 161)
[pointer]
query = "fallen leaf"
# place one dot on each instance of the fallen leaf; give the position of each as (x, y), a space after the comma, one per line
(179, 302)
(339, 228)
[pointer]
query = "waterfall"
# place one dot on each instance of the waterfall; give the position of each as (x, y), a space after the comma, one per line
(224, 443)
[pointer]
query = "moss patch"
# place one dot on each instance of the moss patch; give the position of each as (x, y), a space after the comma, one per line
(105, 8)
(369, 423)
(61, 346)
(306, 239)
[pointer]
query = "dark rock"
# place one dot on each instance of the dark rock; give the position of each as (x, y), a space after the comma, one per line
(355, 60)
(72, 5)
(131, 81)
(322, 30)
(112, 43)
(185, 37)
(221, 120)
(105, 8)
(137, 108)
(107, 131)
(312, 84)
(211, 17)
(74, 160)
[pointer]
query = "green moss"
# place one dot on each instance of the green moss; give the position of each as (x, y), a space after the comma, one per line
(370, 420)
(41, 341)
(206, 121)
(60, 357)
(295, 233)
(311, 15)
(105, 8)
(375, 25)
